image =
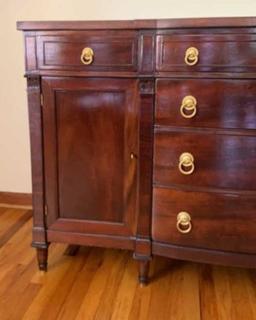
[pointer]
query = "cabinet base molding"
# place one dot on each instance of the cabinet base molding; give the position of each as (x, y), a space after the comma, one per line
(97, 240)
(216, 257)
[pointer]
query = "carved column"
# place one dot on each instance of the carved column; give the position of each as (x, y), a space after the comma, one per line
(143, 238)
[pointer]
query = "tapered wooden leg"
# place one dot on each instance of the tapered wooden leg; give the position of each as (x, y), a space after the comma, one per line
(42, 257)
(143, 271)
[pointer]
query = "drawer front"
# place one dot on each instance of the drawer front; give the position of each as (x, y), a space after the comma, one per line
(220, 160)
(217, 221)
(216, 52)
(216, 104)
(117, 52)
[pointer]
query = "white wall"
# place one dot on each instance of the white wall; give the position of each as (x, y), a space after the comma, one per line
(14, 138)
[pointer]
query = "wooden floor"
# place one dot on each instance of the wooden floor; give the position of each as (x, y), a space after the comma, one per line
(95, 283)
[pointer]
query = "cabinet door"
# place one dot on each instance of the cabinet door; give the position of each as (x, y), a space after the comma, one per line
(90, 148)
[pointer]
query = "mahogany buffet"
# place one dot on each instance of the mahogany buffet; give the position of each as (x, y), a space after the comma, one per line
(143, 137)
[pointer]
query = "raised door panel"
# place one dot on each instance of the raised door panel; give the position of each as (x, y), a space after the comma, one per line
(90, 132)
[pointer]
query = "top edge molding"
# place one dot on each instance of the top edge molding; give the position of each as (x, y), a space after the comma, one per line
(138, 24)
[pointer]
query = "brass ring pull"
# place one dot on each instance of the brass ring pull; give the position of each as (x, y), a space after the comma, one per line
(184, 224)
(186, 163)
(87, 56)
(188, 107)
(191, 56)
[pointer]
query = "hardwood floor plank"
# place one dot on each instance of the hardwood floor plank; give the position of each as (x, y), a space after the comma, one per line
(122, 304)
(96, 291)
(24, 301)
(80, 287)
(160, 287)
(251, 285)
(9, 278)
(52, 280)
(9, 217)
(58, 297)
(241, 307)
(208, 300)
(15, 226)
(223, 292)
(141, 302)
(107, 301)
(2, 210)
(17, 252)
(175, 294)
(183, 301)
(17, 248)
(21, 293)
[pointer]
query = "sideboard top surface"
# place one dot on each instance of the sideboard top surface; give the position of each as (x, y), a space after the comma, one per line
(138, 24)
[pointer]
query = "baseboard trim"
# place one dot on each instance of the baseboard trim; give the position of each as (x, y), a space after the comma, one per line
(16, 200)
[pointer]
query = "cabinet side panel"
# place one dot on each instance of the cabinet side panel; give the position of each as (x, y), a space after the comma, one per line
(36, 140)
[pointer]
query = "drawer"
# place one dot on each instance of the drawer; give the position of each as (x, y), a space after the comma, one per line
(214, 52)
(219, 160)
(206, 103)
(110, 51)
(217, 221)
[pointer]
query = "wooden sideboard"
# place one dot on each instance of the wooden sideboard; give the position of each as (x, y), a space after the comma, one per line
(143, 137)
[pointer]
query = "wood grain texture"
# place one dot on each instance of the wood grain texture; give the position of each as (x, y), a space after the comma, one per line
(237, 52)
(219, 221)
(116, 51)
(221, 103)
(221, 161)
(37, 162)
(101, 284)
(30, 48)
(91, 180)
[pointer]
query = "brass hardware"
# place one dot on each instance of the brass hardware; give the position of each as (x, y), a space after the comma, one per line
(191, 56)
(186, 163)
(46, 210)
(184, 224)
(133, 156)
(41, 99)
(87, 56)
(188, 107)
